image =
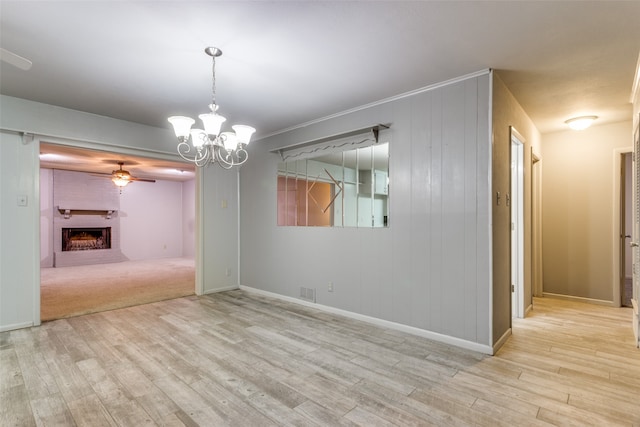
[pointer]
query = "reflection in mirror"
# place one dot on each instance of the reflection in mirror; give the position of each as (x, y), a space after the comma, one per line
(347, 188)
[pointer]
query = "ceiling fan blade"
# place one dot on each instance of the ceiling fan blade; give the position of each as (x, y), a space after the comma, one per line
(142, 179)
(15, 60)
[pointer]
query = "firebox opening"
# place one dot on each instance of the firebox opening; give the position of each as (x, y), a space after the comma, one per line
(85, 239)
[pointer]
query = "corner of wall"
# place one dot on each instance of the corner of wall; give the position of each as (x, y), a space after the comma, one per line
(507, 113)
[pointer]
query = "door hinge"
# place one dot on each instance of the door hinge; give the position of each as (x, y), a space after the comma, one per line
(513, 288)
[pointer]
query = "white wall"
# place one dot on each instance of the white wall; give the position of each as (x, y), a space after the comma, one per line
(151, 220)
(157, 220)
(220, 247)
(577, 210)
(189, 219)
(46, 218)
(431, 268)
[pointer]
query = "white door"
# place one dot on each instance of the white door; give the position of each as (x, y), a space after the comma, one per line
(517, 224)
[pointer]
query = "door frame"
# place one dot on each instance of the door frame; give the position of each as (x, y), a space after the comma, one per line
(133, 151)
(617, 226)
(536, 225)
(517, 143)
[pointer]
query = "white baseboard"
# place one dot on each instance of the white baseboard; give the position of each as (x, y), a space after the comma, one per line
(15, 326)
(503, 339)
(216, 290)
(458, 342)
(579, 299)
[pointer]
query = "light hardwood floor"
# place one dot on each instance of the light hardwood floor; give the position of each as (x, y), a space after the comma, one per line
(239, 359)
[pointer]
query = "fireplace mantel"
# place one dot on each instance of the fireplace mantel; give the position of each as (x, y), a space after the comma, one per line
(67, 212)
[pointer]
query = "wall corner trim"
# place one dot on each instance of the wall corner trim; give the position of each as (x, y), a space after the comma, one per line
(458, 342)
(14, 326)
(216, 290)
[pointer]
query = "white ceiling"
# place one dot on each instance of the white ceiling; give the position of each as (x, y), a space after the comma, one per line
(289, 62)
(54, 156)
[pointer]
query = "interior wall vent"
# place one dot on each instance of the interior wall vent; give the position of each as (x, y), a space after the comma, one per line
(308, 294)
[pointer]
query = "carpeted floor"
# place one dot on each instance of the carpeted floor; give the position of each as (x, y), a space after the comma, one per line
(72, 291)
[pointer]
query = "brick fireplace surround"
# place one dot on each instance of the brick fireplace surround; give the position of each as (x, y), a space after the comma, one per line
(81, 200)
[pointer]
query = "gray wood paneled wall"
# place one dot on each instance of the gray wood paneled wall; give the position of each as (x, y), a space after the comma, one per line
(432, 267)
(219, 229)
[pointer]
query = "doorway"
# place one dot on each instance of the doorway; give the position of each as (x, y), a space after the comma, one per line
(517, 224)
(626, 227)
(111, 249)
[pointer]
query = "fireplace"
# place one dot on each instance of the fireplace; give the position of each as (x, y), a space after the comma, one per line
(86, 239)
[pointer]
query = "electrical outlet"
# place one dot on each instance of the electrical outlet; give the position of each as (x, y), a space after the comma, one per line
(228, 272)
(330, 287)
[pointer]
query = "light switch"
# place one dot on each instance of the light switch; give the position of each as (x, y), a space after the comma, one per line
(22, 200)
(224, 203)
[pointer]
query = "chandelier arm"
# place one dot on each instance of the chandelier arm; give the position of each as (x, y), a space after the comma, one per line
(224, 158)
(200, 158)
(203, 159)
(242, 155)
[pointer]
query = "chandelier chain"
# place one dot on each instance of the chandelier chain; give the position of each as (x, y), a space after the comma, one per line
(213, 84)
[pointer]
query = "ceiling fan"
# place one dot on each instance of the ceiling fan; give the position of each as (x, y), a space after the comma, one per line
(121, 177)
(14, 59)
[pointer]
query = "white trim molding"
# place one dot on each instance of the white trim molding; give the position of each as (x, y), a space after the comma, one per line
(458, 342)
(616, 226)
(380, 102)
(14, 326)
(579, 299)
(503, 339)
(216, 290)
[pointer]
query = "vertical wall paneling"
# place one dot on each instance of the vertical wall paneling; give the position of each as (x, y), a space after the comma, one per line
(453, 261)
(219, 224)
(420, 208)
(431, 268)
(471, 193)
(436, 214)
(484, 243)
(19, 232)
(399, 291)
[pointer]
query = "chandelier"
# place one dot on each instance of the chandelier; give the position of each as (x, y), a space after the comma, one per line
(209, 145)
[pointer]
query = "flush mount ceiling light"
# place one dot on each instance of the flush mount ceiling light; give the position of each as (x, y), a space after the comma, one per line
(581, 123)
(228, 149)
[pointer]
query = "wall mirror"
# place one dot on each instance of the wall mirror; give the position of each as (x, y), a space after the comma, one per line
(339, 183)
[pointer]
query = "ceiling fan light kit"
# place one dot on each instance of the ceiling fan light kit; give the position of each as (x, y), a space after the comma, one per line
(205, 146)
(121, 177)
